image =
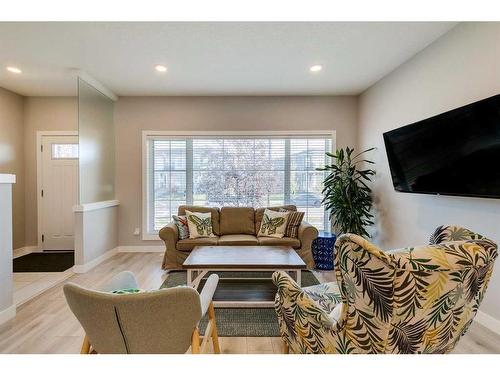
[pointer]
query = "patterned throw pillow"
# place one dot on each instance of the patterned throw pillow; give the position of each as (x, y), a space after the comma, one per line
(182, 225)
(273, 224)
(127, 291)
(200, 224)
(294, 220)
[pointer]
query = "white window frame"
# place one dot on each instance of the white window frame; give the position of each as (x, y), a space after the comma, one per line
(146, 134)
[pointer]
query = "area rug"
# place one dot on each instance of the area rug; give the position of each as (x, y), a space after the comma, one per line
(44, 262)
(241, 322)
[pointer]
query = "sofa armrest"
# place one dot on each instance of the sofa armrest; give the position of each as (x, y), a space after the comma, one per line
(170, 235)
(307, 234)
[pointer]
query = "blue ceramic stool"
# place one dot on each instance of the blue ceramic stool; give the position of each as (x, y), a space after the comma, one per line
(322, 250)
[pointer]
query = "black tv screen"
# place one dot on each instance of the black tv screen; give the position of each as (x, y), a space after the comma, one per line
(454, 153)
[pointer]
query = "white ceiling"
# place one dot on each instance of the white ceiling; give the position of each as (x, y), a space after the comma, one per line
(209, 58)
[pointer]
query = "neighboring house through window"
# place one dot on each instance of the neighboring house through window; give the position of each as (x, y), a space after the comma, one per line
(233, 170)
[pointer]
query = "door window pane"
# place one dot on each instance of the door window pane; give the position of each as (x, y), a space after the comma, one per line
(64, 150)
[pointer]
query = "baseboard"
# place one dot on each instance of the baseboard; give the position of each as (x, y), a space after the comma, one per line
(141, 249)
(8, 314)
(488, 321)
(83, 268)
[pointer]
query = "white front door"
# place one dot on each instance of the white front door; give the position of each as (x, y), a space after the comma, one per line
(59, 182)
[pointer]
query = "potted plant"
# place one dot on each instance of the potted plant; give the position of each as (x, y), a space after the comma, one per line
(346, 194)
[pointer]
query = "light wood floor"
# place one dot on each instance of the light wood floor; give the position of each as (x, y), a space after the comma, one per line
(46, 325)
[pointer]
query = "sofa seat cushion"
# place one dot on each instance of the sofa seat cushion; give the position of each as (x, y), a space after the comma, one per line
(238, 240)
(189, 243)
(237, 220)
(283, 241)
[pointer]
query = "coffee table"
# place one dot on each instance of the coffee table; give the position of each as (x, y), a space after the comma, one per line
(242, 291)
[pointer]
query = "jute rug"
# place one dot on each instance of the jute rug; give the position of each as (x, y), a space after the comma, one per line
(241, 322)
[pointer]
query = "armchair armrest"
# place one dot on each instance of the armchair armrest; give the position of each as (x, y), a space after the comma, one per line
(123, 280)
(207, 293)
(290, 296)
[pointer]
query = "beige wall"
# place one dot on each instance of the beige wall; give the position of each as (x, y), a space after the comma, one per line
(12, 156)
(96, 133)
(459, 68)
(42, 113)
(134, 114)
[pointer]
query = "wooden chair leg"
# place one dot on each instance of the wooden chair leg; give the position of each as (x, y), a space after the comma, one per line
(286, 348)
(85, 346)
(195, 342)
(215, 337)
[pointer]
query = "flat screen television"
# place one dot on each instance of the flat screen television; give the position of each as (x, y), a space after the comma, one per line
(454, 153)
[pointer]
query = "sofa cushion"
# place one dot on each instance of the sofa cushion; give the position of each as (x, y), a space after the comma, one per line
(259, 213)
(214, 210)
(283, 241)
(237, 220)
(238, 239)
(189, 243)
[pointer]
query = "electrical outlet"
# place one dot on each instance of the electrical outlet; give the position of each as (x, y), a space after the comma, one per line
(137, 231)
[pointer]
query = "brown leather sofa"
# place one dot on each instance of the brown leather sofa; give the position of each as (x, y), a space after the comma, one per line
(233, 226)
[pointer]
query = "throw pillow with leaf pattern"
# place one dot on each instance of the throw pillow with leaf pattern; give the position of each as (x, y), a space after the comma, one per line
(200, 224)
(182, 226)
(273, 224)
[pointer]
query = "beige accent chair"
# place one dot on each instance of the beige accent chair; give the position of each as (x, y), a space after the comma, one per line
(234, 226)
(161, 321)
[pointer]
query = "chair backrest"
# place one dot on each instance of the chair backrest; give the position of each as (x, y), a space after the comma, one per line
(416, 299)
(150, 322)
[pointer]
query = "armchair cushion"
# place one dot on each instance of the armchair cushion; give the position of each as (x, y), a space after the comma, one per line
(326, 295)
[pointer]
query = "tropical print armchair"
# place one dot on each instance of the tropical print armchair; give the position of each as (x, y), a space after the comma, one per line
(411, 300)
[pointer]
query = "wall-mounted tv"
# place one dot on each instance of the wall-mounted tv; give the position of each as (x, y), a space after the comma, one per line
(454, 153)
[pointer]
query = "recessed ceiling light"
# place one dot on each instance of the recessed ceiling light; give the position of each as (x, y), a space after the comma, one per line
(15, 70)
(315, 68)
(161, 68)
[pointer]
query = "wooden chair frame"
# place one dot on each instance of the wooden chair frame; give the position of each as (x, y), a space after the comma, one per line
(199, 344)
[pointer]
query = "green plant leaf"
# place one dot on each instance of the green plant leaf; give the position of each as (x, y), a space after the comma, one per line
(347, 195)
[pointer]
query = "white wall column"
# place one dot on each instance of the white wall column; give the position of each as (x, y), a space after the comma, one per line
(7, 306)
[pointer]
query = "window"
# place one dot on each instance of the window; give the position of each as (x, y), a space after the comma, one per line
(64, 150)
(236, 170)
